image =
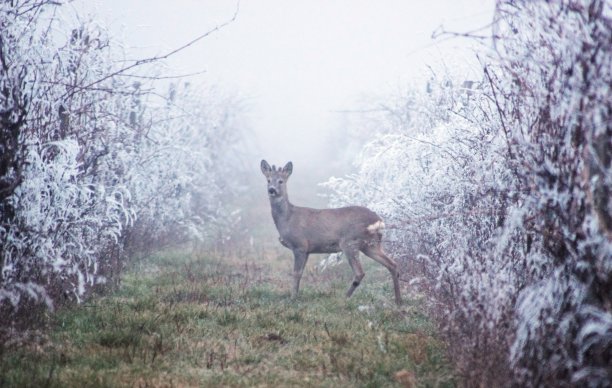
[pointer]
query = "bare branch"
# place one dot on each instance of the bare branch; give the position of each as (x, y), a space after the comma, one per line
(145, 61)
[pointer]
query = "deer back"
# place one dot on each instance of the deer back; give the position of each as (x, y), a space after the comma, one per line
(324, 230)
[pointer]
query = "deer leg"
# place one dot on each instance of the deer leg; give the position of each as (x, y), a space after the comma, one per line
(351, 254)
(358, 271)
(299, 262)
(377, 254)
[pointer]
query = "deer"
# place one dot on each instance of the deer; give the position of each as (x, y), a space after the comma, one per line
(304, 230)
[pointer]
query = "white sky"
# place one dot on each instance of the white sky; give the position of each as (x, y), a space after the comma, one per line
(295, 63)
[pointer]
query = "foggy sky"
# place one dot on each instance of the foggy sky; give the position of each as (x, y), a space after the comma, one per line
(296, 63)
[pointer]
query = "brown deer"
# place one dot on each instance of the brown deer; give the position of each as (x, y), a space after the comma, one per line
(305, 231)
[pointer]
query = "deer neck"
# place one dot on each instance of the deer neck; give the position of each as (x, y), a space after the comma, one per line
(281, 210)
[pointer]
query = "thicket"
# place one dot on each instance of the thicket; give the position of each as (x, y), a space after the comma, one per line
(498, 197)
(95, 163)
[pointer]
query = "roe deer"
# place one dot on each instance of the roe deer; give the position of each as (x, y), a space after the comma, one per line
(305, 231)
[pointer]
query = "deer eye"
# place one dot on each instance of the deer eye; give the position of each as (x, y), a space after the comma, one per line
(268, 180)
(280, 181)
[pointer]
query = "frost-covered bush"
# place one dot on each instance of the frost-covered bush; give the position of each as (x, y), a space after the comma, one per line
(180, 179)
(440, 182)
(61, 210)
(91, 163)
(554, 75)
(499, 196)
(61, 225)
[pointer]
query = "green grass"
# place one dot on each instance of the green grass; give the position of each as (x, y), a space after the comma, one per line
(183, 321)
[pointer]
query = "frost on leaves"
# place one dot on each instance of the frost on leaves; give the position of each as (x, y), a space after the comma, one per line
(503, 198)
(91, 164)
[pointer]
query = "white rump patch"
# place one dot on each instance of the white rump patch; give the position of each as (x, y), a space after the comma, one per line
(375, 227)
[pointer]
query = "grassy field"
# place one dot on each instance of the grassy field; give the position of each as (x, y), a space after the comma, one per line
(181, 320)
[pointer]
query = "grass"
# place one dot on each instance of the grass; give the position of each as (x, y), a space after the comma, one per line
(183, 321)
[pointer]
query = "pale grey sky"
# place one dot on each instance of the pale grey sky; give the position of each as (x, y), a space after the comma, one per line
(298, 62)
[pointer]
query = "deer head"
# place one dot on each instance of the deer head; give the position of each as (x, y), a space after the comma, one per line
(277, 179)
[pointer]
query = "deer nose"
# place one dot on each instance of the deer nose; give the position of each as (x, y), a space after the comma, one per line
(272, 191)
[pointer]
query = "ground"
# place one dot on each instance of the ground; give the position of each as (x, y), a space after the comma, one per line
(182, 319)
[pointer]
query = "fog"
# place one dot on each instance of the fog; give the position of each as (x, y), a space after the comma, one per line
(131, 135)
(297, 66)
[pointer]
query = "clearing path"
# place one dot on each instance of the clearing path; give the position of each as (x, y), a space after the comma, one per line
(179, 320)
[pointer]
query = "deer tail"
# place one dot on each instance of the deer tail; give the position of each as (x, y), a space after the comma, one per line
(376, 227)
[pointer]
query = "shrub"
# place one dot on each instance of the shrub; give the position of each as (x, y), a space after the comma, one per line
(91, 162)
(498, 195)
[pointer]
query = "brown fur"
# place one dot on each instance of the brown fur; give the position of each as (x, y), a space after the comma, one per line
(305, 230)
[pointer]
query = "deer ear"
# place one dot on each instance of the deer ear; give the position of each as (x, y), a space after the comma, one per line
(265, 167)
(288, 169)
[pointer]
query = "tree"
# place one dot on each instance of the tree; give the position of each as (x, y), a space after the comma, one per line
(498, 195)
(557, 61)
(92, 162)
